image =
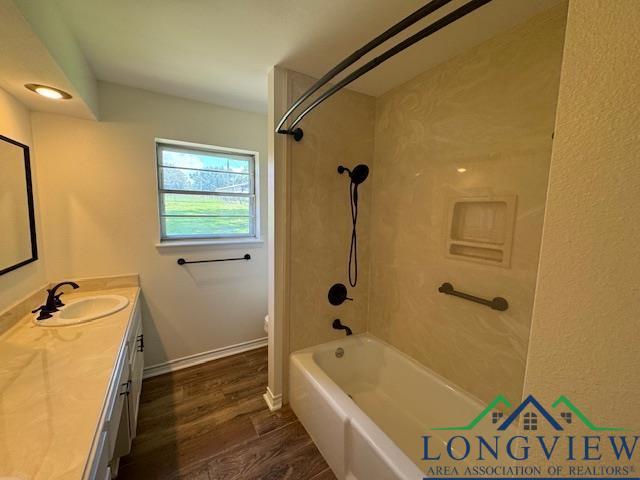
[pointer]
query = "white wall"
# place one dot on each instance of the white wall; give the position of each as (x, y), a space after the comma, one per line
(99, 204)
(15, 124)
(584, 338)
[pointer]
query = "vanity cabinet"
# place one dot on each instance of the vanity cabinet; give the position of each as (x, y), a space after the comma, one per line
(120, 413)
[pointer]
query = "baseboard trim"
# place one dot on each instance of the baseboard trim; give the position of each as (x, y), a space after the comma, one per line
(198, 358)
(274, 402)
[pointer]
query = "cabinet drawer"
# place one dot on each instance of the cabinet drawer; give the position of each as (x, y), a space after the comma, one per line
(135, 340)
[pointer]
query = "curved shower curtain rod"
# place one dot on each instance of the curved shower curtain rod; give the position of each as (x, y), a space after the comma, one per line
(429, 8)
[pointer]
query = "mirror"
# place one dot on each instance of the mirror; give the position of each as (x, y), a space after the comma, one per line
(17, 222)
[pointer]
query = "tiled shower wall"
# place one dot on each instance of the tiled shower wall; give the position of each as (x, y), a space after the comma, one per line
(489, 111)
(339, 132)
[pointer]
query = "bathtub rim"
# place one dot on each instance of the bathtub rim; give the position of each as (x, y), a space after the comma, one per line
(367, 336)
(393, 456)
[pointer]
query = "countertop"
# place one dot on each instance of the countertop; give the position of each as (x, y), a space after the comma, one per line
(53, 385)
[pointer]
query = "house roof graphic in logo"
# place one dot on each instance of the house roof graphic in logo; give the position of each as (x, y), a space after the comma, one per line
(530, 401)
(531, 410)
(562, 400)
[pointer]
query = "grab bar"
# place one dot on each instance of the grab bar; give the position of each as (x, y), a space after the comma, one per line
(498, 303)
(182, 261)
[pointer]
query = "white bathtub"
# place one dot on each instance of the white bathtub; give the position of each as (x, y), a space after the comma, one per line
(368, 410)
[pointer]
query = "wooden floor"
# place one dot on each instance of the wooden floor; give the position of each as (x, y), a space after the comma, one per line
(210, 422)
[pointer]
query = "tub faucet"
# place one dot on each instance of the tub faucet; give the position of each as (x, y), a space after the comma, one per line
(337, 324)
(53, 301)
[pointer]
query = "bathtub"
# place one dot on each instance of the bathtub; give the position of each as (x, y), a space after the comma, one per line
(367, 410)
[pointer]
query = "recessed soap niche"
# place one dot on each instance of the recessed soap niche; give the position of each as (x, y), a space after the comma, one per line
(480, 229)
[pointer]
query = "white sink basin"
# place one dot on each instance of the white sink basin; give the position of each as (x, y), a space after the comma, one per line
(85, 309)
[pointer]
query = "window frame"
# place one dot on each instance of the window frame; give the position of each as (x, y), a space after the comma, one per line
(253, 195)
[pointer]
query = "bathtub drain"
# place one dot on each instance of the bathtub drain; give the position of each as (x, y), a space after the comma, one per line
(339, 352)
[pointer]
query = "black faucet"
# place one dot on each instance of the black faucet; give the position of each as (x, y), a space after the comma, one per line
(53, 301)
(338, 326)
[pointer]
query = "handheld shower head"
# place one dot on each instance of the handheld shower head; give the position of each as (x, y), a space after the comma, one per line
(358, 175)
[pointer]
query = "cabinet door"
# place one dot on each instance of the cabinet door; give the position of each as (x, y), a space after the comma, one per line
(117, 401)
(101, 459)
(123, 440)
(137, 367)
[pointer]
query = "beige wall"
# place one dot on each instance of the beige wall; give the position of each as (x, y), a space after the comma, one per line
(99, 204)
(585, 336)
(338, 132)
(15, 124)
(491, 111)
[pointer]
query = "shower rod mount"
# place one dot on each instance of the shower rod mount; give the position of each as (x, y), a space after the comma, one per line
(296, 133)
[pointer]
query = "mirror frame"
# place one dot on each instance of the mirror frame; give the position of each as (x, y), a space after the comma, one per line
(32, 218)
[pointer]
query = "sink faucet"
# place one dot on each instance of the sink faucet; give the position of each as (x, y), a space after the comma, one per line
(53, 301)
(339, 326)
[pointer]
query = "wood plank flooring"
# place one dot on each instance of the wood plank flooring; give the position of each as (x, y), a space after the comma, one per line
(210, 422)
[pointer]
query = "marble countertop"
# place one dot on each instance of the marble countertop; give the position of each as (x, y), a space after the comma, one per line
(53, 385)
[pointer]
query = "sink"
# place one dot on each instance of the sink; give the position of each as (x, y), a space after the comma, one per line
(85, 309)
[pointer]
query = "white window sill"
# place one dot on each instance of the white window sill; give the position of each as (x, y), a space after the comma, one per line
(231, 242)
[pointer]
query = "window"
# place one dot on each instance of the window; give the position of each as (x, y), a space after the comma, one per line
(206, 192)
(496, 416)
(530, 421)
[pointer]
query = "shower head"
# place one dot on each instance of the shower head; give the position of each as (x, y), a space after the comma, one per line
(358, 175)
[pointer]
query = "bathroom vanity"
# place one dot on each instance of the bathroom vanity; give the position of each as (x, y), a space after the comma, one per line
(117, 426)
(69, 395)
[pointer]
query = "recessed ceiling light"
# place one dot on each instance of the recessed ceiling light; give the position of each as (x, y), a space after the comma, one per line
(48, 92)
(461, 170)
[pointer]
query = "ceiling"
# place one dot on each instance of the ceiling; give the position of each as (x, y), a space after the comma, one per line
(25, 59)
(220, 51)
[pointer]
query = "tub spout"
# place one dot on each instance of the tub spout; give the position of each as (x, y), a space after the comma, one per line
(337, 324)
